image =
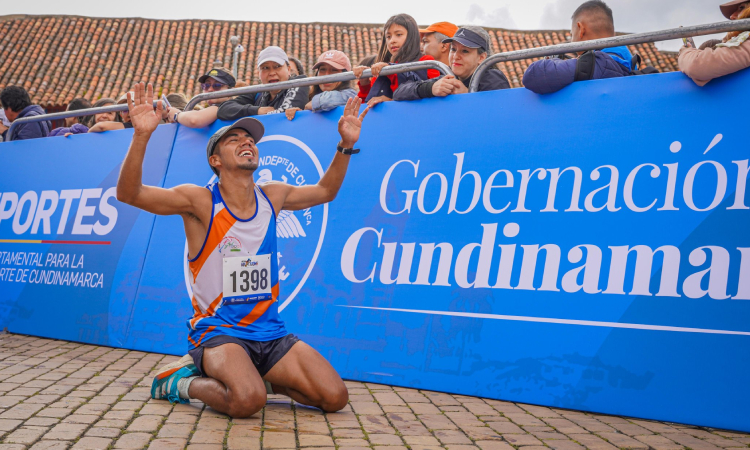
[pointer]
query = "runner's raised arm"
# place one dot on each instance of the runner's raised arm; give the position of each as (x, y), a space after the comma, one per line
(130, 187)
(302, 197)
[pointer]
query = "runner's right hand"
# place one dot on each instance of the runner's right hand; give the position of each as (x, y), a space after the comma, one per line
(142, 114)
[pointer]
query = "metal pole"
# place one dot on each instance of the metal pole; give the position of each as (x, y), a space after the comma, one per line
(311, 81)
(598, 44)
(77, 113)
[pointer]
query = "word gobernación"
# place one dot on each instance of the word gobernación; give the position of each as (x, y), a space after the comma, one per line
(471, 265)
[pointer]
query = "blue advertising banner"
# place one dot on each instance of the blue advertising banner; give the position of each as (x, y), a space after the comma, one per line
(586, 249)
(70, 253)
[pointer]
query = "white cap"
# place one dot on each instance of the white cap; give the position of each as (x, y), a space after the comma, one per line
(273, 53)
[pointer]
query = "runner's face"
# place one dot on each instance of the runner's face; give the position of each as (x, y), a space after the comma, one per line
(237, 149)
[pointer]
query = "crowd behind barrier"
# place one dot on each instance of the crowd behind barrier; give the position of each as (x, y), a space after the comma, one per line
(411, 64)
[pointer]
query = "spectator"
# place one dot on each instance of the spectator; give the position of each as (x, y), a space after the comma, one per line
(468, 48)
(296, 68)
(74, 125)
(433, 40)
(364, 83)
(105, 116)
(326, 97)
(273, 67)
(17, 105)
(733, 9)
(400, 44)
(124, 116)
(725, 58)
(592, 20)
(217, 79)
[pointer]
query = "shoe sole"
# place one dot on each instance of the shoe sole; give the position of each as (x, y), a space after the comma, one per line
(171, 368)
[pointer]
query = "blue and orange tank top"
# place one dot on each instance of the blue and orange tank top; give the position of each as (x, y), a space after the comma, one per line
(230, 238)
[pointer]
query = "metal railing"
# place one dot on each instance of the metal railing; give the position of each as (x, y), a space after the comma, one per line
(598, 44)
(301, 82)
(312, 81)
(67, 114)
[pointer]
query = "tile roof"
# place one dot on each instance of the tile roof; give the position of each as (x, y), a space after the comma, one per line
(59, 58)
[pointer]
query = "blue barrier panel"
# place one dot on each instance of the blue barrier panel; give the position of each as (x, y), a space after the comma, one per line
(70, 253)
(586, 249)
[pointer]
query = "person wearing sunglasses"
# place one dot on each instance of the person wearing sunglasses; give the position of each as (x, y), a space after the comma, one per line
(216, 79)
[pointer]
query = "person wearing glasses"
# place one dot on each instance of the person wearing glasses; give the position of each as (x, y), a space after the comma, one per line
(328, 96)
(216, 79)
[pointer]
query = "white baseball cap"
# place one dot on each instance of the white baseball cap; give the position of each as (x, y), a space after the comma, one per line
(273, 53)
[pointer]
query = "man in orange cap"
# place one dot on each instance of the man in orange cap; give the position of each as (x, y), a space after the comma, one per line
(732, 10)
(432, 40)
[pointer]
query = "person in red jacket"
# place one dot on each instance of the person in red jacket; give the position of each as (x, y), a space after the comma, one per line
(400, 44)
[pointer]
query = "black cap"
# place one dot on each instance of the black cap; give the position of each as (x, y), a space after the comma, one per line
(249, 124)
(220, 75)
(468, 38)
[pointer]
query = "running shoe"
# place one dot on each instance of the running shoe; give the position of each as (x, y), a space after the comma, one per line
(164, 385)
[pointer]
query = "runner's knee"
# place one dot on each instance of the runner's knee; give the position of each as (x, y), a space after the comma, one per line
(335, 398)
(246, 404)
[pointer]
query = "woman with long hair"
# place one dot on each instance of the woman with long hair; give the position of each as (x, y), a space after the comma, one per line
(400, 44)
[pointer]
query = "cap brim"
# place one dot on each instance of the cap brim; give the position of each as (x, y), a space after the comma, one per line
(280, 61)
(425, 31)
(203, 78)
(462, 41)
(253, 126)
(332, 64)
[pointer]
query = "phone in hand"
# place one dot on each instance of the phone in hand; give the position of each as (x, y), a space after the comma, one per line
(166, 102)
(689, 42)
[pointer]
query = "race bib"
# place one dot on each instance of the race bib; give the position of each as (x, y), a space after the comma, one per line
(247, 279)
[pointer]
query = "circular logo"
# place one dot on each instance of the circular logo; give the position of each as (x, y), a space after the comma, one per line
(299, 234)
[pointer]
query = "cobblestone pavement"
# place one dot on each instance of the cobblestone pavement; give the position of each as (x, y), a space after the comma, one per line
(60, 395)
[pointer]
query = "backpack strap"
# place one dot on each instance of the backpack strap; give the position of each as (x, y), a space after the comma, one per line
(585, 66)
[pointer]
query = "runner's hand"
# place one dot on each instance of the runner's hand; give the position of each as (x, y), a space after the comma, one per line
(141, 108)
(350, 124)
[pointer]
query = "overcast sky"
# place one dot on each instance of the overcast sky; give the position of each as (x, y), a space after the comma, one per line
(630, 15)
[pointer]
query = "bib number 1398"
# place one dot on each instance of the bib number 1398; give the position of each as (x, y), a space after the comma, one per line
(247, 279)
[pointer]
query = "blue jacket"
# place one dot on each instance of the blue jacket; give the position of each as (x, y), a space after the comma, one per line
(550, 75)
(30, 130)
(326, 101)
(77, 128)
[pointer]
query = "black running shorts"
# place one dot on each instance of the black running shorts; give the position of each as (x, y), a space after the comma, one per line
(263, 354)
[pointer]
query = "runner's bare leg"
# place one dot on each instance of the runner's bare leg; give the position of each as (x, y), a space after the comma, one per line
(305, 376)
(234, 387)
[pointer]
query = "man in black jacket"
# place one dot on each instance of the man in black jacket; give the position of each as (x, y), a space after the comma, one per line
(470, 46)
(273, 67)
(17, 105)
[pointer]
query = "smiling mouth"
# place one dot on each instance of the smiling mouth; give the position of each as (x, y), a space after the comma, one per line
(246, 153)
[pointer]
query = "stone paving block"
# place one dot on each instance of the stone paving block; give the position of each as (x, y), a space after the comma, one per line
(51, 445)
(243, 442)
(453, 437)
(351, 433)
(545, 435)
(461, 447)
(384, 439)
(389, 447)
(565, 426)
(133, 440)
(630, 429)
(312, 427)
(25, 435)
(623, 441)
(22, 411)
(167, 444)
(205, 447)
(592, 442)
(87, 419)
(175, 430)
(495, 445)
(9, 424)
(315, 440)
(564, 445)
(65, 431)
(278, 440)
(208, 437)
(657, 442)
(145, 424)
(343, 443)
(656, 427)
(6, 401)
(103, 432)
(396, 409)
(520, 440)
(366, 408)
(690, 441)
(505, 428)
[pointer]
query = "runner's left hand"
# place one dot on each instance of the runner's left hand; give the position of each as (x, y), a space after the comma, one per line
(350, 123)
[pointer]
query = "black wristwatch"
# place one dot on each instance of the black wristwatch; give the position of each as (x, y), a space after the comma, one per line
(346, 151)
